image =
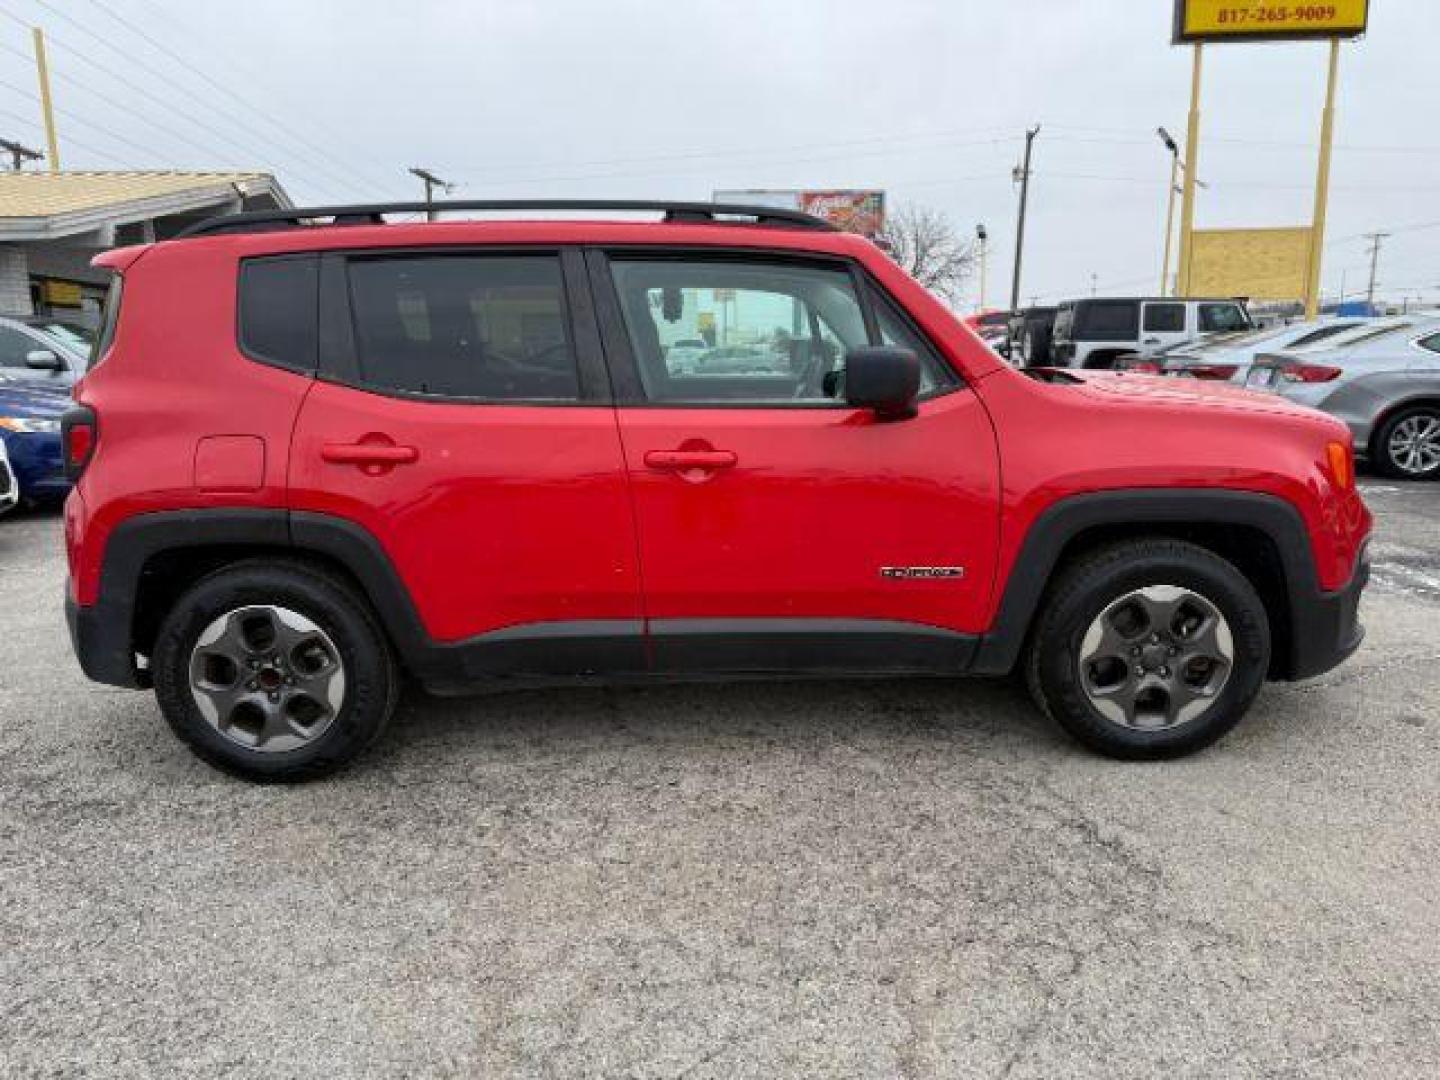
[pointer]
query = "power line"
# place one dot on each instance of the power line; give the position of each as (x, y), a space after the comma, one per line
(171, 20)
(247, 152)
(205, 77)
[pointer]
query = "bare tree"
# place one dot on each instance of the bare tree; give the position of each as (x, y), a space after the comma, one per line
(927, 246)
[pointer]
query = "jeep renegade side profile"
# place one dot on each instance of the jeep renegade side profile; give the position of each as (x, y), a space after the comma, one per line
(318, 452)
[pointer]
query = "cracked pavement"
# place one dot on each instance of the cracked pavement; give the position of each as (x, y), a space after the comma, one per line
(811, 880)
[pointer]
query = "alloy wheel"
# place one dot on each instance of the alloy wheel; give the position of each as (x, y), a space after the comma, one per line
(267, 678)
(1414, 444)
(1156, 658)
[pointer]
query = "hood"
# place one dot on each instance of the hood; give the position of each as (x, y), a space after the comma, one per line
(1125, 386)
(38, 402)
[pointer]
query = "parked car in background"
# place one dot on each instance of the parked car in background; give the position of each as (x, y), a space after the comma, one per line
(1096, 332)
(44, 350)
(992, 326)
(683, 357)
(738, 360)
(1384, 383)
(1029, 336)
(9, 489)
(30, 428)
(1227, 357)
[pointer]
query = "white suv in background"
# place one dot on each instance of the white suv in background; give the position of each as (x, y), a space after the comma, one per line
(1093, 333)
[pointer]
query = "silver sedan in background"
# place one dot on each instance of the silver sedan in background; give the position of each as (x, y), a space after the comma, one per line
(1384, 383)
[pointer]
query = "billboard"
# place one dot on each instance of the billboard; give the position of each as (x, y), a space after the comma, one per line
(1262, 20)
(854, 210)
(1262, 264)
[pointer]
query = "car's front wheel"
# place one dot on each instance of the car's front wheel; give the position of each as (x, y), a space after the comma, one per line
(1407, 444)
(274, 671)
(1149, 649)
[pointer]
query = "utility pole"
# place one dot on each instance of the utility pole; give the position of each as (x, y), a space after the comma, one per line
(19, 154)
(1022, 174)
(47, 106)
(1322, 187)
(982, 238)
(1375, 239)
(1192, 160)
(431, 182)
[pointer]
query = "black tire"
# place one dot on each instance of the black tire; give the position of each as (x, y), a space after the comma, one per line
(1380, 454)
(1094, 582)
(371, 683)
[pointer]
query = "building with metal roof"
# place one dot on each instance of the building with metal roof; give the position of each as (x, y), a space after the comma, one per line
(52, 224)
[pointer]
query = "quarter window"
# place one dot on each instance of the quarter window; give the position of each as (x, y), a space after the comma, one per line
(1432, 343)
(488, 328)
(278, 300)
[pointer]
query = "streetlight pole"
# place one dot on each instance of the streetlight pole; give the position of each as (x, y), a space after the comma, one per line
(982, 238)
(1023, 175)
(1169, 208)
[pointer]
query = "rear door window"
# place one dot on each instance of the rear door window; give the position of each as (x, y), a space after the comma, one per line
(472, 327)
(1164, 318)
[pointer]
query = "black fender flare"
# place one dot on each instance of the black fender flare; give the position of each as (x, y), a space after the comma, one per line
(1068, 518)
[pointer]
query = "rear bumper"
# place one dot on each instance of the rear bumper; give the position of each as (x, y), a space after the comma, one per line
(1326, 627)
(101, 640)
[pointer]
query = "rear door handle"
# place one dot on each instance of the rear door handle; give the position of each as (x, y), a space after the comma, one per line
(680, 460)
(368, 454)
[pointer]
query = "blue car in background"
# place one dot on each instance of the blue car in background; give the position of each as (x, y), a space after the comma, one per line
(30, 428)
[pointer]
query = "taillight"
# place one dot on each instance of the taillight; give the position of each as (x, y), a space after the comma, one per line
(79, 432)
(1341, 461)
(1214, 372)
(1310, 373)
(1143, 367)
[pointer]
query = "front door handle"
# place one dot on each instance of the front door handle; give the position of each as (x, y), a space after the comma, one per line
(685, 460)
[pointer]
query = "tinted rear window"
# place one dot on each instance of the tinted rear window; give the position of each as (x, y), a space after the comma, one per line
(1108, 320)
(1165, 318)
(279, 300)
(482, 327)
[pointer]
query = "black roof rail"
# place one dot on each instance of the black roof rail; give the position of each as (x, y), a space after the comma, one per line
(373, 213)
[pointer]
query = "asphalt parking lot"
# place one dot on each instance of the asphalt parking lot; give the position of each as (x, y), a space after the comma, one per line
(858, 880)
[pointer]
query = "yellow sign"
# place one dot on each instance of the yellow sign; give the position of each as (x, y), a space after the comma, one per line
(60, 293)
(1263, 264)
(1249, 20)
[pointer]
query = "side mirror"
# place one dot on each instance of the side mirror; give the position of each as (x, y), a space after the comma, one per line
(44, 360)
(884, 379)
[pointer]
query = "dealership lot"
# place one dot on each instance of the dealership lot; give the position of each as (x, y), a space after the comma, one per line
(850, 880)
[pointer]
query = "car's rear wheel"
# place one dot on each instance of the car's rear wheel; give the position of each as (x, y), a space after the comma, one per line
(1149, 649)
(274, 671)
(1407, 444)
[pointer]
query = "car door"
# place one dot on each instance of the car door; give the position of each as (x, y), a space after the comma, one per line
(781, 529)
(1162, 324)
(462, 420)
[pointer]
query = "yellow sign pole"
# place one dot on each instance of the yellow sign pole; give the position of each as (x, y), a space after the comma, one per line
(42, 70)
(1192, 164)
(1169, 225)
(1322, 188)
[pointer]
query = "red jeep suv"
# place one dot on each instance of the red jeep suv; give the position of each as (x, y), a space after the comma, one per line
(317, 452)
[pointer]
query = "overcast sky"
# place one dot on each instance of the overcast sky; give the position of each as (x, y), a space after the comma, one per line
(927, 100)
